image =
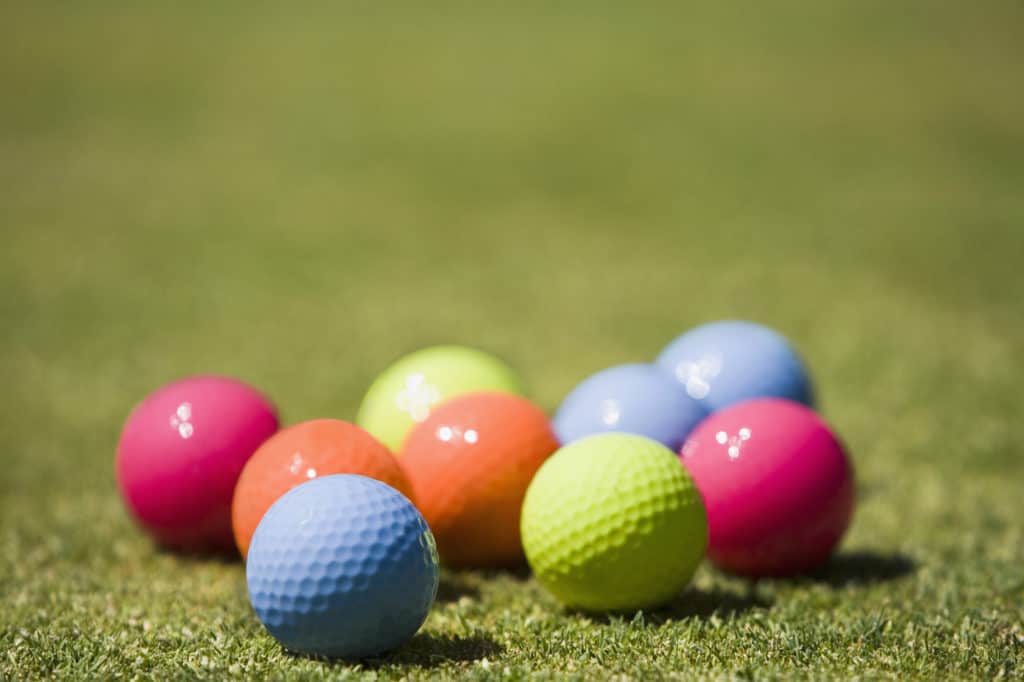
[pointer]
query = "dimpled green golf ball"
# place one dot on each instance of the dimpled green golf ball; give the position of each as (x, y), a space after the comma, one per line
(405, 393)
(613, 522)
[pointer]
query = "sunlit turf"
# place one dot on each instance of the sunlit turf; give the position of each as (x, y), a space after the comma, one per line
(298, 197)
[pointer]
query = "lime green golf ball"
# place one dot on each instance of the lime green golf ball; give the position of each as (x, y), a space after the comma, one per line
(405, 393)
(613, 522)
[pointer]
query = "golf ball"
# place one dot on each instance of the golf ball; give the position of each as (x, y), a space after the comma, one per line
(613, 522)
(470, 463)
(405, 393)
(777, 486)
(342, 566)
(723, 363)
(298, 453)
(180, 454)
(635, 398)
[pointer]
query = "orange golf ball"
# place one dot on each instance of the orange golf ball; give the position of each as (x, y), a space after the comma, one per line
(470, 463)
(299, 453)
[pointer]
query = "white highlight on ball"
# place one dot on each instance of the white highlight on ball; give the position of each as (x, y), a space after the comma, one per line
(697, 376)
(180, 421)
(417, 397)
(611, 412)
(734, 443)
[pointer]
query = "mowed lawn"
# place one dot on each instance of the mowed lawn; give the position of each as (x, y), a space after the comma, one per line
(297, 196)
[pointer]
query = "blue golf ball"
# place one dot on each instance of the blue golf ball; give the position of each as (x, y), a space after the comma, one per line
(634, 398)
(722, 363)
(343, 566)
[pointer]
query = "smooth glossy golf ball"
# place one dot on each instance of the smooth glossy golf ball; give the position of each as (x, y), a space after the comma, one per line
(634, 398)
(180, 454)
(406, 392)
(470, 463)
(302, 452)
(722, 363)
(342, 566)
(777, 485)
(613, 522)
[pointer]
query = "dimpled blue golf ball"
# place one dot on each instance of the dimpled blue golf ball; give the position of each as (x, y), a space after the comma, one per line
(634, 398)
(723, 363)
(343, 566)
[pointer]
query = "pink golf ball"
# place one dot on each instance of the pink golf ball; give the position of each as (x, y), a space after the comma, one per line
(777, 486)
(181, 452)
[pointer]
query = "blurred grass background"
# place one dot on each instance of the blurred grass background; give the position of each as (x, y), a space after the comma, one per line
(297, 196)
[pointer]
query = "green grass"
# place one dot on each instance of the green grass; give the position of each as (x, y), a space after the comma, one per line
(297, 197)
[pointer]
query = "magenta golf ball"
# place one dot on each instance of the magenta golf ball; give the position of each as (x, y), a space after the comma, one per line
(776, 483)
(181, 452)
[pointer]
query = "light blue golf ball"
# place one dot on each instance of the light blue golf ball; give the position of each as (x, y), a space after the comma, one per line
(635, 398)
(343, 566)
(723, 363)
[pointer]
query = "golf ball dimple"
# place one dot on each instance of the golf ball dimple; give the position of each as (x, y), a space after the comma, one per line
(722, 363)
(777, 485)
(180, 454)
(470, 463)
(294, 455)
(405, 393)
(342, 566)
(633, 398)
(613, 522)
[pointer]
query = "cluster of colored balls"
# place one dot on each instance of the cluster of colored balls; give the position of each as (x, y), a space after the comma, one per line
(645, 469)
(736, 402)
